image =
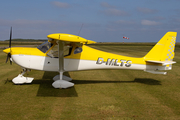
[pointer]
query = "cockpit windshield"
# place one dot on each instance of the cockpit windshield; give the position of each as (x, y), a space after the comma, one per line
(45, 46)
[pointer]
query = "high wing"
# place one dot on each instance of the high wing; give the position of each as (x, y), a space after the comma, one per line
(69, 38)
(62, 39)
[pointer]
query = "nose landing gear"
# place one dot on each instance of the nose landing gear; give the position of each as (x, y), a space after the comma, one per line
(20, 79)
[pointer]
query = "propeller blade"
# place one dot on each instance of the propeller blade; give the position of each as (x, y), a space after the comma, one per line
(9, 54)
(10, 38)
(7, 58)
(10, 62)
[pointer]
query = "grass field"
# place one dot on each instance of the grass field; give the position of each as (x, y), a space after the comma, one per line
(97, 94)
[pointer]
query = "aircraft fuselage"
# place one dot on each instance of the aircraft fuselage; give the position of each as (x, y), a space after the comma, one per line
(75, 62)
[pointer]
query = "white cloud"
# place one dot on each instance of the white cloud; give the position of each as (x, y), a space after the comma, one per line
(146, 10)
(159, 18)
(148, 22)
(115, 12)
(107, 5)
(60, 4)
(125, 22)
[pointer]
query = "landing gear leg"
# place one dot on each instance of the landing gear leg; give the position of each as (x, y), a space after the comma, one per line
(20, 79)
(59, 82)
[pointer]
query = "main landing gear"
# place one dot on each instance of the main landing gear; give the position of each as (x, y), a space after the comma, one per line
(59, 82)
(62, 82)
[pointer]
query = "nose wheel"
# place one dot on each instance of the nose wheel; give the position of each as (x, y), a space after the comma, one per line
(20, 79)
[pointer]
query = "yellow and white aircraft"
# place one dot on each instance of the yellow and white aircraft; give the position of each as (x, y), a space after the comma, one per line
(66, 52)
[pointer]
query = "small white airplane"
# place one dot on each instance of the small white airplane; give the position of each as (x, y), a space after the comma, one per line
(66, 52)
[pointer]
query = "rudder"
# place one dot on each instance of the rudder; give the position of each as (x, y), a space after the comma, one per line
(164, 49)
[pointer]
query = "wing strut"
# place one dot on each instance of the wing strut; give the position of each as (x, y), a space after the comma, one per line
(61, 59)
(60, 83)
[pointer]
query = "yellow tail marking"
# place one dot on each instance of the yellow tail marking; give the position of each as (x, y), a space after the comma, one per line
(164, 49)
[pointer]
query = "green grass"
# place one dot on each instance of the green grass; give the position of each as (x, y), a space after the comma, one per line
(97, 94)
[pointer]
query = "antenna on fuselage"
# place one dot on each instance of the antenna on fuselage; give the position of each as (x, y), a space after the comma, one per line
(80, 29)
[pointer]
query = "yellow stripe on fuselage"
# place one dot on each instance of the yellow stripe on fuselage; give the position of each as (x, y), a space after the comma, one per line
(26, 51)
(89, 53)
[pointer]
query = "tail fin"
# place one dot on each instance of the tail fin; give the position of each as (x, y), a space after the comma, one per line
(163, 51)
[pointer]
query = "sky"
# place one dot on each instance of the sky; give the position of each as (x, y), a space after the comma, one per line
(101, 20)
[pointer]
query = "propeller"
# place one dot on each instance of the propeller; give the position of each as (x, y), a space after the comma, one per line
(8, 58)
(9, 54)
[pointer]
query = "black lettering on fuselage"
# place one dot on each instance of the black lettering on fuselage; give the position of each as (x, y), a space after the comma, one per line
(114, 62)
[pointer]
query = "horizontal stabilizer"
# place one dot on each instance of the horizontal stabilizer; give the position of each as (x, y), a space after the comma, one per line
(155, 72)
(161, 62)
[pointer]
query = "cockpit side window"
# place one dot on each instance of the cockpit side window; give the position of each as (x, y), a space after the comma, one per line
(45, 46)
(53, 53)
(78, 50)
